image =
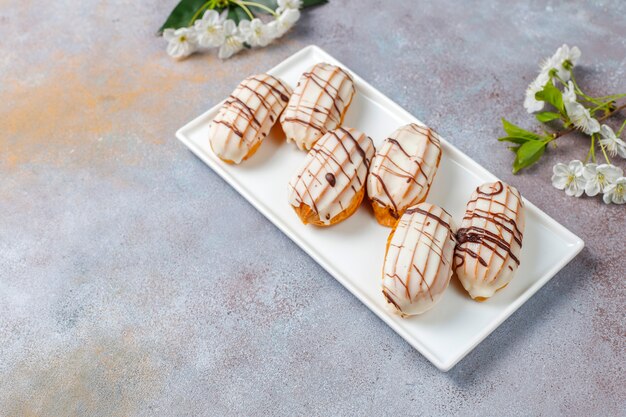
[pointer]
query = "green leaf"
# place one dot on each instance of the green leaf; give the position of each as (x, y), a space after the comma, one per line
(528, 154)
(182, 14)
(551, 94)
(514, 148)
(547, 116)
(517, 132)
(513, 139)
(272, 4)
(237, 14)
(309, 3)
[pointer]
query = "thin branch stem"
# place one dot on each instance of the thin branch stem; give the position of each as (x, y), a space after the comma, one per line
(244, 7)
(608, 161)
(580, 92)
(619, 132)
(590, 149)
(557, 135)
(593, 148)
(200, 10)
(260, 6)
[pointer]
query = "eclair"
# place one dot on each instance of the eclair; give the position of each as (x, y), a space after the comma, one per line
(247, 116)
(418, 260)
(318, 104)
(330, 184)
(402, 171)
(490, 239)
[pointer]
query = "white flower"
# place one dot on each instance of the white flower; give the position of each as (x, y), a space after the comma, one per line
(598, 177)
(233, 41)
(615, 193)
(569, 56)
(581, 118)
(209, 30)
(531, 104)
(256, 33)
(288, 4)
(569, 178)
(569, 93)
(562, 61)
(613, 144)
(182, 42)
(284, 22)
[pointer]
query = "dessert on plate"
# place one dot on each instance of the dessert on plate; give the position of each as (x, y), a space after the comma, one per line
(402, 171)
(490, 239)
(418, 260)
(247, 116)
(330, 184)
(318, 104)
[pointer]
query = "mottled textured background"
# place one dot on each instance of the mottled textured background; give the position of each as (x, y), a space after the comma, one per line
(135, 282)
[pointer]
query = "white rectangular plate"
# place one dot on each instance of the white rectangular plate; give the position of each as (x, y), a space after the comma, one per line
(353, 250)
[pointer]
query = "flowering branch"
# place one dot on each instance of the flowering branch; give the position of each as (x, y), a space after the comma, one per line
(229, 25)
(574, 110)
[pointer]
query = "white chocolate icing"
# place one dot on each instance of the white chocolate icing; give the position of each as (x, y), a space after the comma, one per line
(404, 168)
(418, 262)
(247, 116)
(317, 105)
(333, 173)
(490, 239)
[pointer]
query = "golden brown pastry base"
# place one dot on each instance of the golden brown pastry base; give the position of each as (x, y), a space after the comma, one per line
(386, 216)
(483, 299)
(309, 216)
(251, 152)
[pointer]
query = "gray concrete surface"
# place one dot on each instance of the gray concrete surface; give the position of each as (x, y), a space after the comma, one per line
(135, 282)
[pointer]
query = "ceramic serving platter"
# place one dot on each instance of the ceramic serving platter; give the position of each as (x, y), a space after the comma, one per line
(353, 251)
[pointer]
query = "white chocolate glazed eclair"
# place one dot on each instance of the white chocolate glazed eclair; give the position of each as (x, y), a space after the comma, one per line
(330, 185)
(490, 239)
(247, 116)
(402, 171)
(418, 261)
(318, 104)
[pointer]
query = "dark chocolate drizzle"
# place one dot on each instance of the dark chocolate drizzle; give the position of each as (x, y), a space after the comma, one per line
(331, 179)
(273, 88)
(494, 192)
(429, 214)
(474, 234)
(247, 111)
(382, 183)
(480, 235)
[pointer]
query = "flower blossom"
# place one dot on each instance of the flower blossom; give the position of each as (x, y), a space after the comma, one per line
(610, 141)
(563, 60)
(288, 4)
(256, 33)
(285, 21)
(233, 41)
(531, 104)
(581, 118)
(569, 94)
(569, 178)
(616, 192)
(182, 42)
(599, 177)
(209, 30)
